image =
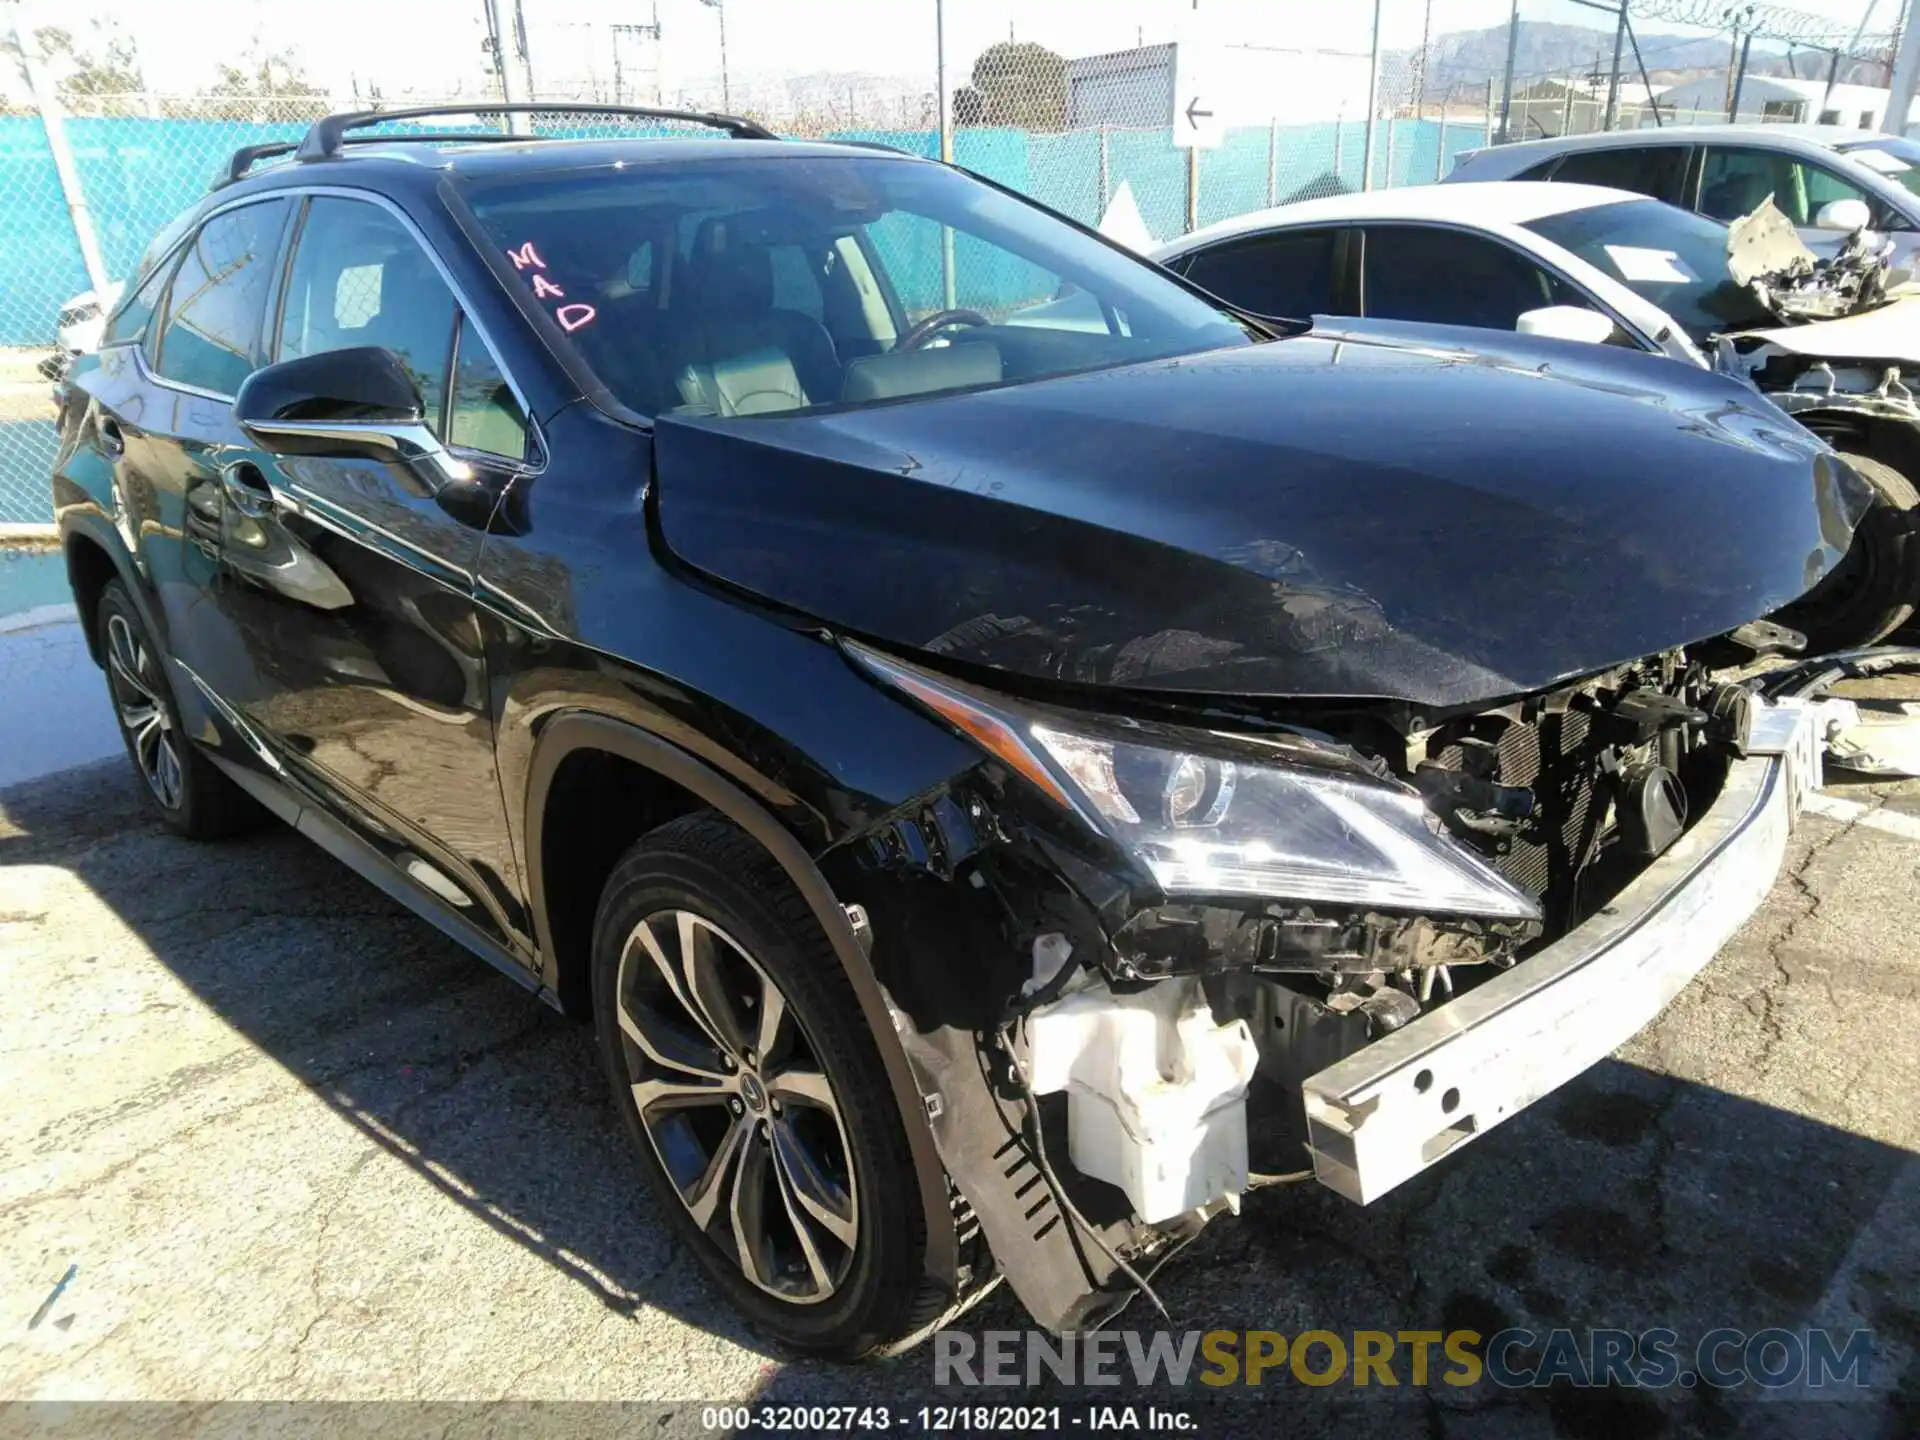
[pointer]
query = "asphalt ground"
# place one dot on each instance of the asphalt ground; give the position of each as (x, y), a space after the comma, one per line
(287, 1143)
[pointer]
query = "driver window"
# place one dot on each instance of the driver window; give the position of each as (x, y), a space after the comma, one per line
(360, 278)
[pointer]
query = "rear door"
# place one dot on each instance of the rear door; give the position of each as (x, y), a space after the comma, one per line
(1657, 171)
(1288, 274)
(351, 585)
(165, 422)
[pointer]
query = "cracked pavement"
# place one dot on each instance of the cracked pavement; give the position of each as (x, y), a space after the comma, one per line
(298, 1145)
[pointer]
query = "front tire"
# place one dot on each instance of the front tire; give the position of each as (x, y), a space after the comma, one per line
(740, 1061)
(1873, 591)
(183, 788)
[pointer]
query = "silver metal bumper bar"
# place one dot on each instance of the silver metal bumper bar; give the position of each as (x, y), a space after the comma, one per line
(1387, 1112)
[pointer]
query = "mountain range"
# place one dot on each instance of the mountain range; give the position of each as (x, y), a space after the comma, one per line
(1462, 60)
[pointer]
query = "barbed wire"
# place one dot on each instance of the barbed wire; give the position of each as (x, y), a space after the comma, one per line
(1762, 21)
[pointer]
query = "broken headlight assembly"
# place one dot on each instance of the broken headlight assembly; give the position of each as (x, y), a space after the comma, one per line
(1215, 815)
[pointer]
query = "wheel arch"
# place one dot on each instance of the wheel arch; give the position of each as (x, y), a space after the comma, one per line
(1886, 438)
(666, 781)
(94, 561)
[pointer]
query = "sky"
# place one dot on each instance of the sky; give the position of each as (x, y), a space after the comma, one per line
(433, 47)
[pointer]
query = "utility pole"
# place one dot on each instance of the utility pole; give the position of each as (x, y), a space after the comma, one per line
(1506, 99)
(1740, 78)
(1906, 69)
(1733, 59)
(1373, 102)
(643, 33)
(512, 87)
(1833, 73)
(1853, 48)
(1613, 80)
(726, 89)
(947, 288)
(940, 80)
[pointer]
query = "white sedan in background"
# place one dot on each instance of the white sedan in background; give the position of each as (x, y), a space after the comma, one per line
(1587, 263)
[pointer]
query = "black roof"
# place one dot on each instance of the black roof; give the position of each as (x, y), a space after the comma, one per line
(478, 151)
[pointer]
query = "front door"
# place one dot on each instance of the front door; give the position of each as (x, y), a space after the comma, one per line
(351, 587)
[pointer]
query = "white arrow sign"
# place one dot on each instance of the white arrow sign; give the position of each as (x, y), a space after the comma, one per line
(1195, 125)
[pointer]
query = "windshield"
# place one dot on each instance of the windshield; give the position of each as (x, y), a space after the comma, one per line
(1892, 156)
(764, 286)
(1671, 258)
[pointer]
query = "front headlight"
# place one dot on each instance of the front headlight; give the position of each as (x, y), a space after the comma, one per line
(1203, 824)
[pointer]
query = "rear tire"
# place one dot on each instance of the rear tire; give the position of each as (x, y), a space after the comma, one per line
(182, 787)
(1873, 591)
(770, 1135)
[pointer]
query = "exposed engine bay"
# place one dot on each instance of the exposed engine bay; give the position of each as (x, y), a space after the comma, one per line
(1147, 1068)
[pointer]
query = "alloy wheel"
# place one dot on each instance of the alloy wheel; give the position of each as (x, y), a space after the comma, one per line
(737, 1107)
(133, 675)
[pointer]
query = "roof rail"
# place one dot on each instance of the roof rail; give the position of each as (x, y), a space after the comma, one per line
(245, 158)
(325, 139)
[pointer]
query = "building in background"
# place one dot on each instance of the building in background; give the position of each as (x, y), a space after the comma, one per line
(1246, 84)
(1781, 100)
(1577, 105)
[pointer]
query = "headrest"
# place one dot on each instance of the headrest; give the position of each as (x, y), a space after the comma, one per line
(725, 277)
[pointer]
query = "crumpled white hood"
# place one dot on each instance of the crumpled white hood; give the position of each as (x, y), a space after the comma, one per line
(1889, 332)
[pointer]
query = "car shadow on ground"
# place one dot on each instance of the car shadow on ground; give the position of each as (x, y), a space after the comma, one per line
(1629, 1199)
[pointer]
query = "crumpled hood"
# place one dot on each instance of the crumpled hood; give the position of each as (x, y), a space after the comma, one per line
(1310, 517)
(1889, 333)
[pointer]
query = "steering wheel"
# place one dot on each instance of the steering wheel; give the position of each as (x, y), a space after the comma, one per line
(922, 331)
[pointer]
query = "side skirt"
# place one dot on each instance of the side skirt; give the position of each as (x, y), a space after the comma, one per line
(357, 855)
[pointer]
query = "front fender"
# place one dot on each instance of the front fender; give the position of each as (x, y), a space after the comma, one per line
(569, 732)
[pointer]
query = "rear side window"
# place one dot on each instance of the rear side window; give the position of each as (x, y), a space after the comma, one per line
(1656, 170)
(360, 278)
(1288, 275)
(218, 299)
(1447, 277)
(129, 322)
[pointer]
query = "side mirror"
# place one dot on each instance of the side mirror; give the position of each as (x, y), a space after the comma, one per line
(1566, 322)
(345, 403)
(1845, 216)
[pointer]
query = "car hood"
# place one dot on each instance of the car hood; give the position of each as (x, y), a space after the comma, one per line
(1889, 332)
(1311, 517)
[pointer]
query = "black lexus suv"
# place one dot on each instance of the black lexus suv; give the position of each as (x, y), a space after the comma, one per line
(1000, 747)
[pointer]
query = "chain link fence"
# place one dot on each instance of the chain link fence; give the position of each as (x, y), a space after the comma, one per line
(85, 187)
(1288, 108)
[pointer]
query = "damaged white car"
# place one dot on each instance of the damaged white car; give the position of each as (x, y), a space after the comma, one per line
(1833, 341)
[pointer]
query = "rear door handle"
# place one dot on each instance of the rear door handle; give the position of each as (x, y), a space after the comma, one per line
(247, 489)
(111, 439)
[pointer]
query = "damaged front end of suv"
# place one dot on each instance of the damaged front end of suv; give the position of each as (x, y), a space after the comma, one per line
(1338, 792)
(1186, 963)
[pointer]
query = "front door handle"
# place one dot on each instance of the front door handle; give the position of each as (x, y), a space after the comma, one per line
(247, 489)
